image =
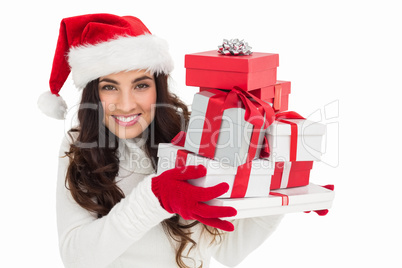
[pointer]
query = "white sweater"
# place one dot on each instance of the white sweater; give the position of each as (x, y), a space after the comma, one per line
(131, 235)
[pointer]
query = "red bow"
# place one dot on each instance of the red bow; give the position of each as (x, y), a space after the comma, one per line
(254, 114)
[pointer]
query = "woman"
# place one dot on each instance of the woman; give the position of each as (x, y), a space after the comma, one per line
(113, 210)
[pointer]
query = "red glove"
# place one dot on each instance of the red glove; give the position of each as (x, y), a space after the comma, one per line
(176, 195)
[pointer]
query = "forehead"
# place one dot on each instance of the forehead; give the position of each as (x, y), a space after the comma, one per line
(128, 75)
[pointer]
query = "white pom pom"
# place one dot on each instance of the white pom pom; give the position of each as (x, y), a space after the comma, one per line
(52, 105)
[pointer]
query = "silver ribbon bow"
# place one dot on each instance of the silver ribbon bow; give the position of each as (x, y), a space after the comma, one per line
(234, 47)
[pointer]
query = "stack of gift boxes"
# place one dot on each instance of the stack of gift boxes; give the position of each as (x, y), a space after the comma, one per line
(241, 130)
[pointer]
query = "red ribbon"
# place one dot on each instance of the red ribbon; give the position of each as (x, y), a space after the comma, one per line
(179, 139)
(264, 153)
(277, 97)
(254, 114)
(285, 198)
(181, 157)
(293, 130)
(330, 187)
(240, 183)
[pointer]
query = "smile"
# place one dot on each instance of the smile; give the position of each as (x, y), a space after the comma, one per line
(126, 121)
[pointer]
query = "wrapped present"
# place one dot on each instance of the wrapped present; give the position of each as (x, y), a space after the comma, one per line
(250, 180)
(291, 174)
(276, 95)
(227, 126)
(297, 199)
(293, 138)
(214, 70)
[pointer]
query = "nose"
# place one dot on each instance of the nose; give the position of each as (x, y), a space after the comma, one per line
(127, 101)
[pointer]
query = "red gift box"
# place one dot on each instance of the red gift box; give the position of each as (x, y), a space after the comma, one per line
(214, 70)
(277, 95)
(291, 174)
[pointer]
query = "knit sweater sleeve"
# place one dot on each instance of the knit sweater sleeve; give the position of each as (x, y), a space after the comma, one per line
(249, 234)
(85, 240)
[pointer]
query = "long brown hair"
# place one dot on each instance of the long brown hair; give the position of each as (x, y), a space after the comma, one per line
(94, 163)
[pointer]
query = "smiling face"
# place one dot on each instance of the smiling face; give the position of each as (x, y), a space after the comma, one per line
(128, 100)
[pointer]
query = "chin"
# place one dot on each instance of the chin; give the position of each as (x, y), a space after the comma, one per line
(127, 133)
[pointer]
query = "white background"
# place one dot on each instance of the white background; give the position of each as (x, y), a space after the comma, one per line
(346, 56)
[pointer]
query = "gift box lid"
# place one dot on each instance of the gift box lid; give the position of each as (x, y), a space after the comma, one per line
(305, 127)
(212, 60)
(296, 165)
(285, 87)
(280, 89)
(304, 198)
(168, 152)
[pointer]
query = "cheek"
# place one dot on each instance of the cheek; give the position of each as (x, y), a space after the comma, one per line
(151, 103)
(108, 107)
(108, 104)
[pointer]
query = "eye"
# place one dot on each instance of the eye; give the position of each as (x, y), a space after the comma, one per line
(142, 86)
(109, 87)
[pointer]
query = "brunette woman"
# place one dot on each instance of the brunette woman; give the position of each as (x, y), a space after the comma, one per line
(113, 210)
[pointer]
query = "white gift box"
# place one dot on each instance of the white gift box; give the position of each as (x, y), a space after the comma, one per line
(234, 134)
(309, 140)
(299, 199)
(259, 180)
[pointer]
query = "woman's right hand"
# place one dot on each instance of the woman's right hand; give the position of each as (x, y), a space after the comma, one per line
(176, 195)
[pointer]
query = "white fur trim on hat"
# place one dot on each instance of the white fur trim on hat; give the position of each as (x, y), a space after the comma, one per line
(145, 52)
(52, 105)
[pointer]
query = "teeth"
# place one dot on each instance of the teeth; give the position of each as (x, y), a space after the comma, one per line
(126, 119)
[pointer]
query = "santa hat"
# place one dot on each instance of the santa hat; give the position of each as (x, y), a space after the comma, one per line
(94, 45)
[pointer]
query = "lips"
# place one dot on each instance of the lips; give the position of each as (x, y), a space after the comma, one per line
(126, 120)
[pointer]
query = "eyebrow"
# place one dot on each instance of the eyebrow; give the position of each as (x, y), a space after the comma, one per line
(117, 83)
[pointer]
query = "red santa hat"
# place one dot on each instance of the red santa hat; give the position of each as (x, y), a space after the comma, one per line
(94, 45)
